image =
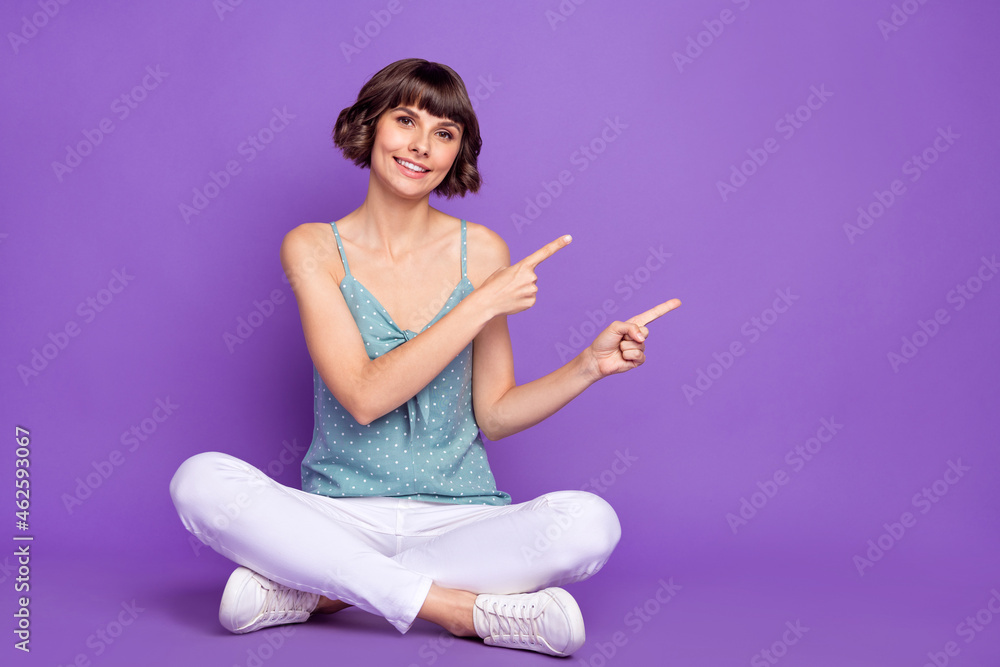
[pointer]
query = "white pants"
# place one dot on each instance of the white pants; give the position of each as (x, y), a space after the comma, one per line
(381, 554)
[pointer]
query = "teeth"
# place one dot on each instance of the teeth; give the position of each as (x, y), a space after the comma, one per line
(410, 165)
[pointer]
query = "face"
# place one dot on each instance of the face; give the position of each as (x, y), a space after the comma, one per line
(413, 150)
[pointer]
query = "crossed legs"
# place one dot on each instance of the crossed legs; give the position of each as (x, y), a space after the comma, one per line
(398, 558)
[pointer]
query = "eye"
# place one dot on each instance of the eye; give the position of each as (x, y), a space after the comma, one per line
(446, 134)
(405, 119)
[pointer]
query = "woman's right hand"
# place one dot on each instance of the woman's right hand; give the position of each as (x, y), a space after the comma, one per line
(511, 289)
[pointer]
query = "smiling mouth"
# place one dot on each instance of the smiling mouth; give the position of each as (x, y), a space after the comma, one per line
(412, 167)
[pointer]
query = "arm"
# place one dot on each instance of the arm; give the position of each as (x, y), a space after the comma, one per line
(370, 388)
(503, 407)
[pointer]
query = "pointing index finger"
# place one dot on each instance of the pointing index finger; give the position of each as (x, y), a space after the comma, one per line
(546, 251)
(657, 311)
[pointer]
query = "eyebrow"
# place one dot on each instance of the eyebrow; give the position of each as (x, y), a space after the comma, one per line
(414, 113)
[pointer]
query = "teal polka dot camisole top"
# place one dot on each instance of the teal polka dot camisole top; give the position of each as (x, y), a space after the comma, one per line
(429, 448)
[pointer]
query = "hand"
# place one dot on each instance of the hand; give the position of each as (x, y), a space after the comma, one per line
(512, 289)
(622, 345)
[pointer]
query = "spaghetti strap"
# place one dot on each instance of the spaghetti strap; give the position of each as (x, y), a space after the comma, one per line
(463, 248)
(343, 255)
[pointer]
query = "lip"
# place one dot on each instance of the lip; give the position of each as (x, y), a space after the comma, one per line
(409, 172)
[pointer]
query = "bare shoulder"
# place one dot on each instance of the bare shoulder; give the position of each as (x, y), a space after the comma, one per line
(310, 249)
(486, 252)
(307, 231)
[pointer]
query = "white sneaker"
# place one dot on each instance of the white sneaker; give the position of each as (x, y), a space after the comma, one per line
(252, 601)
(548, 621)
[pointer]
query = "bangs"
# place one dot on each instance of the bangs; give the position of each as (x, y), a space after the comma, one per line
(435, 92)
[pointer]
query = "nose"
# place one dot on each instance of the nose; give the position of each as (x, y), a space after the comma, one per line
(419, 144)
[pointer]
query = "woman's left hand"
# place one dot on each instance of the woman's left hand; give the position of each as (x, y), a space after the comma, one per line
(622, 346)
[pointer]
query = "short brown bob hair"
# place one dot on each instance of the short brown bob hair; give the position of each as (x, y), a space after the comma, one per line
(432, 87)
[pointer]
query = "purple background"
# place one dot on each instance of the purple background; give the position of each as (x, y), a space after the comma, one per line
(544, 89)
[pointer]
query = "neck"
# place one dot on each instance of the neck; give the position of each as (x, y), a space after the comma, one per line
(391, 222)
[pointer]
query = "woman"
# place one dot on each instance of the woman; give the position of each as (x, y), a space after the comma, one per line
(404, 313)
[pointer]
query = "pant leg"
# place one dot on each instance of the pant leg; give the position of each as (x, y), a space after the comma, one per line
(305, 541)
(558, 538)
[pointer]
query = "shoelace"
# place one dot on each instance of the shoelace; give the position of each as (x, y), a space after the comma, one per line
(519, 621)
(282, 601)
